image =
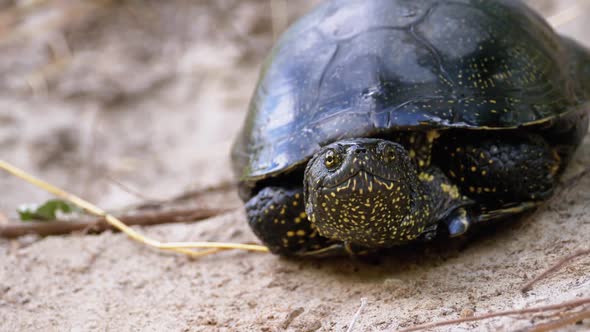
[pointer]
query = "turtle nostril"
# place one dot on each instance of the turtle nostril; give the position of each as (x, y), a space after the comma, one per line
(360, 150)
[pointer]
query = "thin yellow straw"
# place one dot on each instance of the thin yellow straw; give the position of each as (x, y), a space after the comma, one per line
(180, 247)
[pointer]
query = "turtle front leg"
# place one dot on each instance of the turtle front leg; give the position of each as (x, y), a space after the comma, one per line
(277, 217)
(502, 171)
(506, 176)
(460, 220)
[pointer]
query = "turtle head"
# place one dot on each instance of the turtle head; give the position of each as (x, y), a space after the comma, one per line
(367, 192)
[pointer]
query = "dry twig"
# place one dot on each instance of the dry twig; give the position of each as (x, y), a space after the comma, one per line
(564, 305)
(553, 268)
(562, 322)
(357, 315)
(56, 227)
(132, 191)
(191, 194)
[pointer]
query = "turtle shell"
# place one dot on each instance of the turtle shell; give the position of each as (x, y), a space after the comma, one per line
(363, 68)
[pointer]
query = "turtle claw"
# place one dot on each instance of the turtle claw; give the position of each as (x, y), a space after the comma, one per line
(340, 250)
(458, 222)
(334, 250)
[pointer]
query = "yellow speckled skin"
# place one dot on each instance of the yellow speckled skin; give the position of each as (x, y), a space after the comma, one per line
(278, 218)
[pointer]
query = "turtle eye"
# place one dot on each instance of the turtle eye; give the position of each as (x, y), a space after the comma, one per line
(388, 152)
(331, 159)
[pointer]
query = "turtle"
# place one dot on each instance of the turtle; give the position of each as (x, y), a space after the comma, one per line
(382, 123)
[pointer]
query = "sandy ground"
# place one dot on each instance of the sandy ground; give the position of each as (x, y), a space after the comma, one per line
(151, 94)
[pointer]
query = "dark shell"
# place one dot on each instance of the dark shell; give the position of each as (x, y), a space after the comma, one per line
(361, 68)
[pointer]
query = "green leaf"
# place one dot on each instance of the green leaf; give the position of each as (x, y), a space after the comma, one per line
(47, 211)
